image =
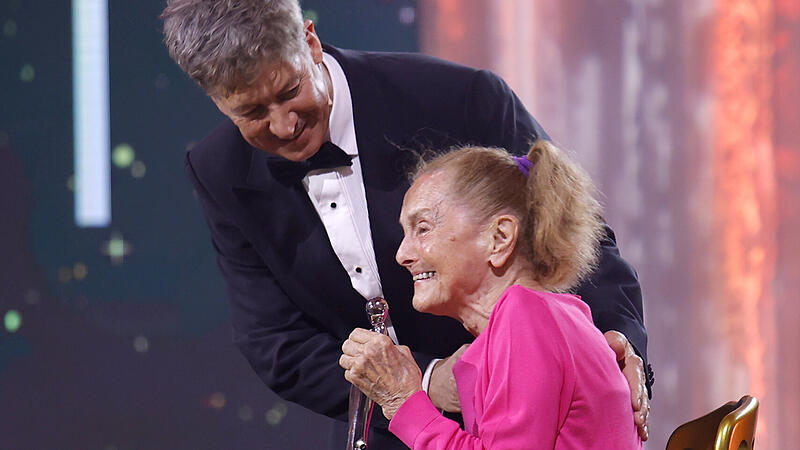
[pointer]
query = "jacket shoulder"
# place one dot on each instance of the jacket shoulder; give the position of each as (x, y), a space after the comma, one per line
(222, 156)
(414, 70)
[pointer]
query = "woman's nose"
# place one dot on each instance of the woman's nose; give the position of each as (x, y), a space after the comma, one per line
(404, 255)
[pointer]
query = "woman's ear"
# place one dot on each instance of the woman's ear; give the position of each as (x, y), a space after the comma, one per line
(504, 232)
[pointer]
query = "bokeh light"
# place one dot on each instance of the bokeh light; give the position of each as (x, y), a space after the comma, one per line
(26, 73)
(216, 400)
(276, 414)
(138, 169)
(141, 344)
(12, 320)
(64, 274)
(123, 155)
(32, 297)
(311, 15)
(71, 183)
(79, 271)
(10, 28)
(245, 413)
(116, 248)
(407, 15)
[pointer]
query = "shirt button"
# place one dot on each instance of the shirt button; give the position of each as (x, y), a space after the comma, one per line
(358, 269)
(333, 205)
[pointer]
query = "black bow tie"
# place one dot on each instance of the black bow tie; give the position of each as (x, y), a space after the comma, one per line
(327, 157)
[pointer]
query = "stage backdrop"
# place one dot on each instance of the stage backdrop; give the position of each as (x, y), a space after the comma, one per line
(686, 113)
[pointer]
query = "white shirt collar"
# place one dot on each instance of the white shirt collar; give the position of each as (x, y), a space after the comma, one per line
(341, 119)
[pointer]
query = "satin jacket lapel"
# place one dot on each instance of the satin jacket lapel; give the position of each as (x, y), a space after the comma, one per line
(291, 239)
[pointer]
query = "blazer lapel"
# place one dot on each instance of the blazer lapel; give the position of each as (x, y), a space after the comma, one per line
(288, 233)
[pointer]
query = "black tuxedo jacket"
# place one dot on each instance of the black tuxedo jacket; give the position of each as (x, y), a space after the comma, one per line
(291, 300)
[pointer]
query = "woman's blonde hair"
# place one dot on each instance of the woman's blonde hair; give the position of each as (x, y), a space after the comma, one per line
(556, 205)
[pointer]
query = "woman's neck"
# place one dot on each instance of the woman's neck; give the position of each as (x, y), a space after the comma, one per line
(475, 313)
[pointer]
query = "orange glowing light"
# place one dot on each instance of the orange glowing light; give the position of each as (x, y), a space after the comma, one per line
(744, 186)
(451, 19)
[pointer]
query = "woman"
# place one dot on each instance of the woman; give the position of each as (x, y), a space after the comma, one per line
(490, 240)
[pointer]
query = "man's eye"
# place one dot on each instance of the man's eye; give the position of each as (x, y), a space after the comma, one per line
(292, 93)
(253, 113)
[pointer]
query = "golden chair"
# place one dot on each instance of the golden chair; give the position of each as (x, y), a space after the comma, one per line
(732, 426)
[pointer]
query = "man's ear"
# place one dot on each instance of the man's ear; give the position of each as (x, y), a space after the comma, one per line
(313, 41)
(504, 233)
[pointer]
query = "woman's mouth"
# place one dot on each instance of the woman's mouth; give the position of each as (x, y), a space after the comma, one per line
(423, 276)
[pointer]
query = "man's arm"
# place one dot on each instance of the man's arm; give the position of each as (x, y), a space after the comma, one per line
(614, 294)
(291, 353)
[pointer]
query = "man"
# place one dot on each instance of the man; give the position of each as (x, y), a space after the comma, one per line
(304, 232)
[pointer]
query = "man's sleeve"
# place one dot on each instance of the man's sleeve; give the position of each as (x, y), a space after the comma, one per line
(292, 354)
(496, 117)
(615, 297)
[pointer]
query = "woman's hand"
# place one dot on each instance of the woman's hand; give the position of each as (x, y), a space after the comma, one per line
(384, 372)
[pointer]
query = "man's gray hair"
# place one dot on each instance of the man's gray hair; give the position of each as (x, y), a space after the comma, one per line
(223, 44)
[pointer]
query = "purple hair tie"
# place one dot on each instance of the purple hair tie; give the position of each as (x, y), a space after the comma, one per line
(523, 163)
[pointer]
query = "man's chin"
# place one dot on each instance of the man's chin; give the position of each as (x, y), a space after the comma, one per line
(301, 153)
(294, 154)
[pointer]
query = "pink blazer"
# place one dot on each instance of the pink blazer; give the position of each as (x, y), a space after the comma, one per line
(540, 376)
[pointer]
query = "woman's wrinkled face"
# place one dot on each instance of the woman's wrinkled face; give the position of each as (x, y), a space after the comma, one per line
(445, 247)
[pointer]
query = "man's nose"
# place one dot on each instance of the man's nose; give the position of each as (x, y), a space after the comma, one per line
(283, 123)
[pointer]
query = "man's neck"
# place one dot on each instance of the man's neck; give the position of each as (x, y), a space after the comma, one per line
(329, 85)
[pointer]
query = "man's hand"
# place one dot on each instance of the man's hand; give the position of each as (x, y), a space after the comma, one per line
(384, 372)
(633, 369)
(442, 389)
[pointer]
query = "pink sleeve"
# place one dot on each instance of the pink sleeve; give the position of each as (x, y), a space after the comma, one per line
(421, 426)
(523, 406)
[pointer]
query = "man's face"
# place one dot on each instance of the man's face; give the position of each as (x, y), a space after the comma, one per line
(286, 111)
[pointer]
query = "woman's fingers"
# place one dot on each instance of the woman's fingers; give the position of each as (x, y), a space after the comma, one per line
(361, 336)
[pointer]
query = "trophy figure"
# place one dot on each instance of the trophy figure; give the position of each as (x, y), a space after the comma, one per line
(360, 405)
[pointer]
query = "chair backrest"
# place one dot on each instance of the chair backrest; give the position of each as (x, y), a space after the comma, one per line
(737, 430)
(732, 426)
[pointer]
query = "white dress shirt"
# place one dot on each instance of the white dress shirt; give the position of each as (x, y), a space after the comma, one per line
(339, 198)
